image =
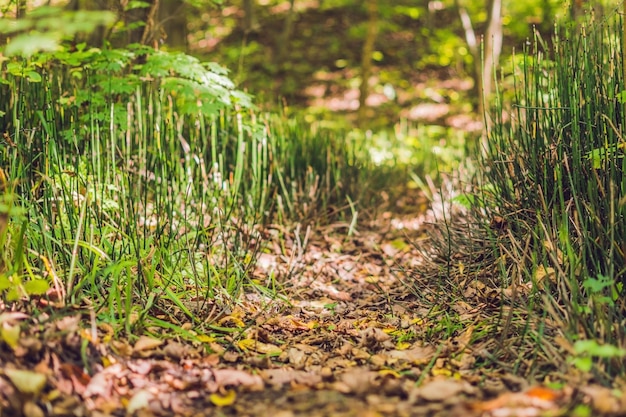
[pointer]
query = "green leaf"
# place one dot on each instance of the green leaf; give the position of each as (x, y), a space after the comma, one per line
(27, 45)
(465, 200)
(592, 348)
(12, 26)
(594, 285)
(36, 286)
(584, 364)
(134, 4)
(5, 283)
(12, 294)
(33, 76)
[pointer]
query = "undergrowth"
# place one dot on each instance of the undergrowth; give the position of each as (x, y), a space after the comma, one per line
(136, 180)
(552, 195)
(137, 183)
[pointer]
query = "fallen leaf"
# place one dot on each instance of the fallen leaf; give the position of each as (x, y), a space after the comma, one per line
(373, 337)
(418, 355)
(31, 409)
(441, 389)
(175, 350)
(101, 384)
(79, 379)
(12, 317)
(140, 400)
(234, 377)
(296, 357)
(147, 343)
(278, 377)
(529, 402)
(10, 335)
(69, 323)
(602, 399)
(26, 382)
(358, 381)
(223, 400)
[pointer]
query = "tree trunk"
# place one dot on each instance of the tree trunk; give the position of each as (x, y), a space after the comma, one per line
(20, 9)
(143, 33)
(366, 58)
(250, 23)
(283, 39)
(172, 24)
(485, 58)
(492, 49)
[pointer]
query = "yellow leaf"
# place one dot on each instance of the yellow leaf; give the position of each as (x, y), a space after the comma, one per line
(441, 371)
(246, 344)
(313, 324)
(88, 335)
(205, 339)
(259, 347)
(26, 382)
(231, 321)
(10, 335)
(402, 345)
(223, 400)
(384, 372)
(399, 244)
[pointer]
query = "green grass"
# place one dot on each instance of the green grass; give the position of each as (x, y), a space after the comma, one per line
(137, 184)
(554, 179)
(123, 193)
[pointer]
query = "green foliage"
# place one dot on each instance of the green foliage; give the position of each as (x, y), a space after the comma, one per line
(144, 178)
(586, 350)
(45, 28)
(555, 178)
(17, 280)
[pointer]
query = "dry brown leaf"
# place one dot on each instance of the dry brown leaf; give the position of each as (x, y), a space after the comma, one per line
(283, 376)
(79, 379)
(296, 357)
(417, 355)
(529, 402)
(603, 400)
(441, 389)
(147, 343)
(373, 337)
(175, 350)
(233, 378)
(69, 323)
(101, 384)
(357, 381)
(31, 409)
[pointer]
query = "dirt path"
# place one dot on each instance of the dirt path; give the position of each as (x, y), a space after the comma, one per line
(366, 329)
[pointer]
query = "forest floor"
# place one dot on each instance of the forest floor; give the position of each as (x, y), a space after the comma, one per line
(365, 326)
